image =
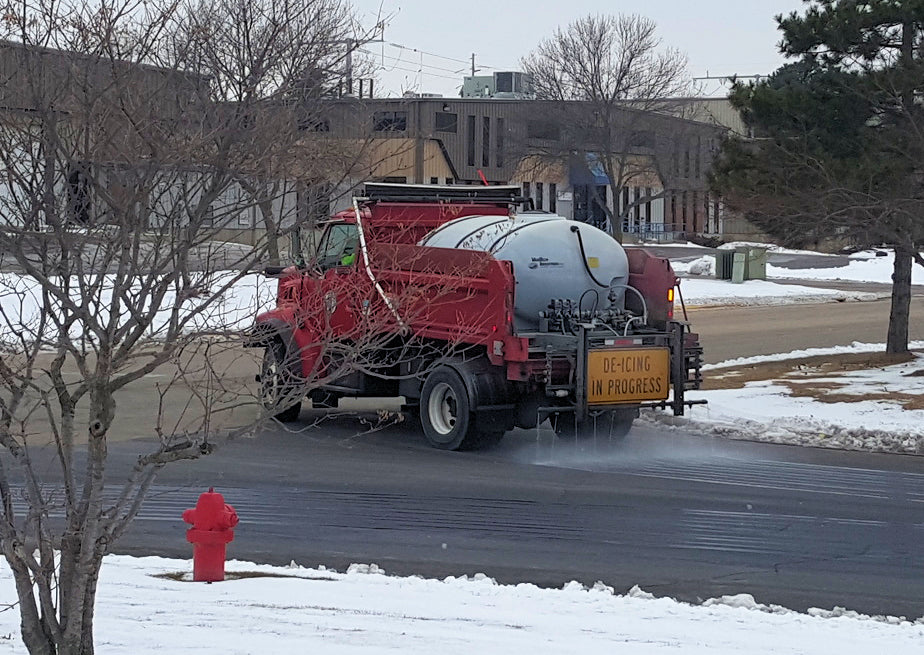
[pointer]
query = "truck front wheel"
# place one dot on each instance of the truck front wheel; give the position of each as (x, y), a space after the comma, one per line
(445, 410)
(277, 385)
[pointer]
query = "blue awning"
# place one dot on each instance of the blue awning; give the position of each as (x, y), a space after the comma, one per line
(587, 168)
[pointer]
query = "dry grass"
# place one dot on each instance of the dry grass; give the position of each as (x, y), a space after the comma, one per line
(183, 576)
(801, 376)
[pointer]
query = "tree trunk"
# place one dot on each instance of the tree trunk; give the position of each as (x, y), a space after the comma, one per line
(900, 315)
(32, 627)
(78, 601)
(272, 231)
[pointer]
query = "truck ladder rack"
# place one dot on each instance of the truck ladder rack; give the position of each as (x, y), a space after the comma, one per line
(452, 193)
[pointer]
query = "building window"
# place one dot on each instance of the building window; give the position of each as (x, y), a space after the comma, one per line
(434, 180)
(539, 190)
(313, 124)
(499, 153)
(470, 154)
(546, 130)
(697, 222)
(78, 196)
(526, 190)
(389, 121)
(446, 122)
(641, 139)
(696, 157)
(486, 141)
(553, 197)
(449, 181)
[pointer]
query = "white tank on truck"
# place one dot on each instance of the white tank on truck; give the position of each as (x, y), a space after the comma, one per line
(555, 260)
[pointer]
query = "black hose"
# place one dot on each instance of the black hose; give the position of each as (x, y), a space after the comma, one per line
(576, 230)
(593, 309)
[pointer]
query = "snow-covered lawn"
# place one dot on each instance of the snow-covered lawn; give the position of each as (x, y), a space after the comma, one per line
(871, 411)
(21, 304)
(699, 287)
(767, 410)
(709, 291)
(365, 611)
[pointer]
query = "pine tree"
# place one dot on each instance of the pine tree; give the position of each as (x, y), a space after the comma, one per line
(839, 137)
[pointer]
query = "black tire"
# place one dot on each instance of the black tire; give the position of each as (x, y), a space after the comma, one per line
(278, 386)
(445, 411)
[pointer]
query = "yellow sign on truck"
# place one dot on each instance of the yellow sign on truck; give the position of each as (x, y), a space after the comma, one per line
(627, 375)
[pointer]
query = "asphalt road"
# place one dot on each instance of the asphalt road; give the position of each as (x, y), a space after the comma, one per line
(676, 513)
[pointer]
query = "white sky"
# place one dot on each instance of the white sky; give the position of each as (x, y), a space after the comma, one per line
(720, 37)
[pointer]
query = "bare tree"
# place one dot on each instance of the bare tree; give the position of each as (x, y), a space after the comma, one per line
(607, 79)
(123, 153)
(275, 64)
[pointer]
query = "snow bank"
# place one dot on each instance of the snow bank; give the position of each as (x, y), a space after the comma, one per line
(144, 608)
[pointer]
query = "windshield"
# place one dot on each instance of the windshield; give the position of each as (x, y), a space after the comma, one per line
(339, 245)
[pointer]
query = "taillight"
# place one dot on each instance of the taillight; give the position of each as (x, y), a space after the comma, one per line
(670, 303)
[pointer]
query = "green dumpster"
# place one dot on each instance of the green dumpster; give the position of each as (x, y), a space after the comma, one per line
(724, 262)
(756, 264)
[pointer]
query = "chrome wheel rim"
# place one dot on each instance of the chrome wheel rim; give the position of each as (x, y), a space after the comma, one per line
(442, 408)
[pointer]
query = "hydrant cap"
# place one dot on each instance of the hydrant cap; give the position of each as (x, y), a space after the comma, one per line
(210, 502)
(211, 513)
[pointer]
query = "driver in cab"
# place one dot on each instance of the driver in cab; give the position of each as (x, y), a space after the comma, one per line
(348, 257)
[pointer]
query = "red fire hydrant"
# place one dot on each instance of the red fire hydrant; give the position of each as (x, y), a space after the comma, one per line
(212, 522)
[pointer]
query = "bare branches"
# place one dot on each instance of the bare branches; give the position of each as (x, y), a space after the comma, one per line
(608, 60)
(609, 87)
(135, 136)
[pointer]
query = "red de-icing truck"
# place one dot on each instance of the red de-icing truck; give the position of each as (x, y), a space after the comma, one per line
(483, 318)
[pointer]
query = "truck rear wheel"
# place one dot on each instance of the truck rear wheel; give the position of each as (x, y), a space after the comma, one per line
(445, 409)
(277, 385)
(447, 416)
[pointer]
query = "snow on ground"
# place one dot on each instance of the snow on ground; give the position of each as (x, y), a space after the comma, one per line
(21, 300)
(699, 287)
(866, 266)
(365, 611)
(708, 291)
(772, 247)
(768, 411)
(863, 267)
